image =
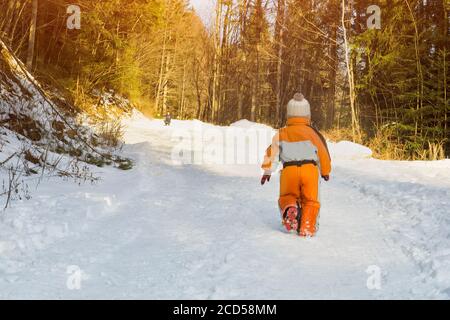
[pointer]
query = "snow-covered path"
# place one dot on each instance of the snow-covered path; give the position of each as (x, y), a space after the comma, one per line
(165, 231)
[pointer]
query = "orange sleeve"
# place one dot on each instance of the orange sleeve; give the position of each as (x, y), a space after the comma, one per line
(324, 155)
(271, 155)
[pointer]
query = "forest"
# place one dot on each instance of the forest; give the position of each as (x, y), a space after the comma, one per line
(375, 72)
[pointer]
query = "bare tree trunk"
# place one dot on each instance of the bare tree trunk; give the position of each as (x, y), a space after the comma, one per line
(446, 109)
(166, 85)
(216, 63)
(240, 99)
(253, 103)
(255, 72)
(334, 66)
(32, 37)
(255, 86)
(224, 63)
(279, 44)
(351, 81)
(242, 61)
(183, 93)
(161, 72)
(420, 88)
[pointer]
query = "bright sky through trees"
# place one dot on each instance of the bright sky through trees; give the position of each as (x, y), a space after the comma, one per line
(204, 8)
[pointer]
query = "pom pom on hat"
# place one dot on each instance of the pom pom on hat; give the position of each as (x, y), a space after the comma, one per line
(298, 107)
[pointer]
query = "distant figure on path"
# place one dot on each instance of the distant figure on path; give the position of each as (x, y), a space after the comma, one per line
(167, 119)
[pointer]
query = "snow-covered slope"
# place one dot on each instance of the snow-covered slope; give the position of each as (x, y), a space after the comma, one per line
(37, 128)
(173, 229)
(41, 134)
(27, 110)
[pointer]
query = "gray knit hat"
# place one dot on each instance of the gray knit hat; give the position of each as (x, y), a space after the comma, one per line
(298, 107)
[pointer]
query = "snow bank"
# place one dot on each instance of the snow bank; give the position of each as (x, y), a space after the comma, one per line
(340, 150)
(246, 124)
(348, 150)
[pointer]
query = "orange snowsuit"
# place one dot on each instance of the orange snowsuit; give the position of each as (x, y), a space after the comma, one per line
(299, 183)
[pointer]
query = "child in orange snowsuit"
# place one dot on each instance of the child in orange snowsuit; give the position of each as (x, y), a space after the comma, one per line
(305, 158)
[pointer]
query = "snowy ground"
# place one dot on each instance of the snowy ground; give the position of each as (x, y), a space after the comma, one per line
(166, 230)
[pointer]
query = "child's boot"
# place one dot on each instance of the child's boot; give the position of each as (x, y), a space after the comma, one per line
(290, 219)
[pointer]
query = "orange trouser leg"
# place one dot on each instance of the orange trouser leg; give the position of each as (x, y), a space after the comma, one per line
(289, 188)
(309, 186)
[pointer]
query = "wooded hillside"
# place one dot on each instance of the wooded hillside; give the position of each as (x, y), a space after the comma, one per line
(385, 86)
